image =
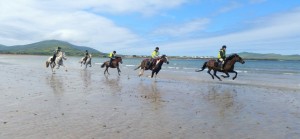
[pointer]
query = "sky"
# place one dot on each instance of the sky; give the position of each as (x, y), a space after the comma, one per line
(136, 27)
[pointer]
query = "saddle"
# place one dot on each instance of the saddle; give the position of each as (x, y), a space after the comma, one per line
(218, 64)
(152, 64)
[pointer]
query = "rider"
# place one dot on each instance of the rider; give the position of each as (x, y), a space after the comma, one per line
(55, 53)
(154, 55)
(112, 56)
(222, 56)
(86, 56)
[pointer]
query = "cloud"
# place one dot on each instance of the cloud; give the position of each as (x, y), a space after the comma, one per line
(278, 33)
(77, 21)
(117, 7)
(179, 30)
(231, 6)
(28, 22)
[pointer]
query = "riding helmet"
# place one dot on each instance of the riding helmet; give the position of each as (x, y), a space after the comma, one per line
(114, 52)
(157, 48)
(224, 46)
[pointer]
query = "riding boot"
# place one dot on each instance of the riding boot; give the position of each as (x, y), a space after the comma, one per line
(110, 62)
(149, 65)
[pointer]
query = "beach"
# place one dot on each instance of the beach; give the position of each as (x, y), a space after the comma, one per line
(85, 103)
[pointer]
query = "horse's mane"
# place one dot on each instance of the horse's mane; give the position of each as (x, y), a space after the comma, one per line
(231, 56)
(118, 57)
(163, 56)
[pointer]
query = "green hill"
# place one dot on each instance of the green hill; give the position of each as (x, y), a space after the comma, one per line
(47, 47)
(256, 56)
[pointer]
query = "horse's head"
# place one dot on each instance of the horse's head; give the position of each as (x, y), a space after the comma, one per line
(119, 59)
(237, 58)
(164, 58)
(60, 56)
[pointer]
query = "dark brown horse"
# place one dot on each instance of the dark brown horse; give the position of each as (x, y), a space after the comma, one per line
(157, 63)
(115, 64)
(228, 66)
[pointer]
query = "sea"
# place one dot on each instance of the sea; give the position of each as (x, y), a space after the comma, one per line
(266, 71)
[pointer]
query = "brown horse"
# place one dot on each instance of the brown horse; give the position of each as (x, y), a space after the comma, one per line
(157, 63)
(115, 64)
(228, 66)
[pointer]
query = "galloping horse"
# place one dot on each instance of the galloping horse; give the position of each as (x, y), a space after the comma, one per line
(155, 67)
(58, 61)
(228, 66)
(88, 61)
(115, 64)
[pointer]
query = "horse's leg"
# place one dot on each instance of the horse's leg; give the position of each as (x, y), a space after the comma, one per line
(226, 74)
(156, 72)
(52, 68)
(235, 74)
(141, 71)
(215, 73)
(152, 73)
(118, 70)
(105, 69)
(208, 71)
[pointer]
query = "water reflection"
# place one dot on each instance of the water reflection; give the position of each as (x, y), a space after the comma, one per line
(56, 83)
(223, 100)
(113, 83)
(150, 91)
(86, 77)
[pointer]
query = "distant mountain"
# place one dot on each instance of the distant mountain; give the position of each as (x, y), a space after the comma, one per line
(256, 56)
(47, 47)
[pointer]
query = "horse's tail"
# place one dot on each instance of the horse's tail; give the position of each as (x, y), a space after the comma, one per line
(203, 67)
(47, 64)
(137, 67)
(102, 66)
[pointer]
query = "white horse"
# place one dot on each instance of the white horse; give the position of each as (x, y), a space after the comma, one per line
(58, 61)
(87, 62)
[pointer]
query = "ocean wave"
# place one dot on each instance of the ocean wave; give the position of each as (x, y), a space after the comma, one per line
(130, 65)
(173, 67)
(288, 73)
(189, 68)
(241, 71)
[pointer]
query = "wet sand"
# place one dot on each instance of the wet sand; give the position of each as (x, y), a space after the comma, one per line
(34, 104)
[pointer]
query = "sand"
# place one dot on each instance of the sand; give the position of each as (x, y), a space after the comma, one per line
(35, 104)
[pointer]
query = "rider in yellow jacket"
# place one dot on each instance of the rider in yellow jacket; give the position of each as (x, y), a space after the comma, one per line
(154, 55)
(222, 56)
(112, 56)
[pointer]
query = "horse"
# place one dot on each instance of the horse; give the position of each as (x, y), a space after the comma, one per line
(228, 66)
(115, 64)
(58, 61)
(156, 67)
(87, 62)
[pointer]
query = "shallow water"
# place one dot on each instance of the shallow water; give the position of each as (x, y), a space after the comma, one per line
(34, 103)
